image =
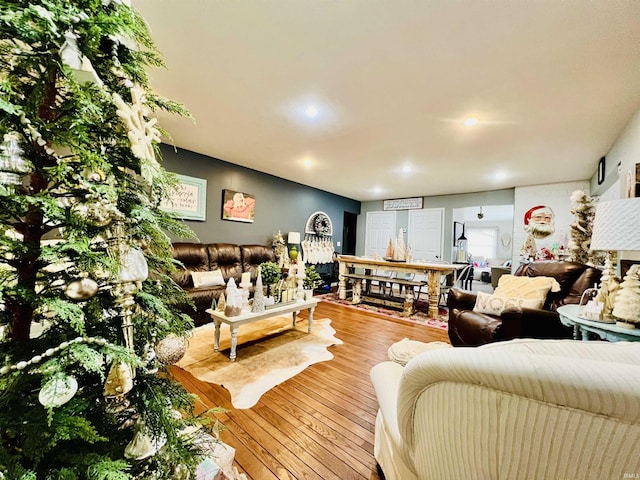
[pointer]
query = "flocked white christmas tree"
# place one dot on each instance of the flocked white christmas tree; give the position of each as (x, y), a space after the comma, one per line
(583, 209)
(627, 302)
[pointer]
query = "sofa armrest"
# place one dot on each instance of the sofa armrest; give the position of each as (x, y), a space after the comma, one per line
(471, 329)
(385, 378)
(460, 299)
(601, 387)
(533, 323)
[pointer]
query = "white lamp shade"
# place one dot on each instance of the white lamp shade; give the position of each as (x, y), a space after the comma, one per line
(293, 238)
(617, 225)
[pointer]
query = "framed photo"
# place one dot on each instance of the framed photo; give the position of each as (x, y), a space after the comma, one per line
(189, 202)
(458, 230)
(601, 170)
(238, 206)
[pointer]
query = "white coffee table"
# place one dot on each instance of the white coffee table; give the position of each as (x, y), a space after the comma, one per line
(235, 322)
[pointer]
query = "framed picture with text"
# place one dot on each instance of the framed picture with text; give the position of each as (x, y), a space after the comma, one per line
(189, 201)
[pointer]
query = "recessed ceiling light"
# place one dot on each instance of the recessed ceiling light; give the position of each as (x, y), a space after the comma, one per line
(311, 111)
(407, 169)
(471, 122)
(307, 162)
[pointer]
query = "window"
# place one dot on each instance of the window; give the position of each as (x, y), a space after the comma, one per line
(482, 242)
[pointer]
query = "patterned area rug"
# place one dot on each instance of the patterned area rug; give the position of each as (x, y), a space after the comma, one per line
(269, 352)
(420, 316)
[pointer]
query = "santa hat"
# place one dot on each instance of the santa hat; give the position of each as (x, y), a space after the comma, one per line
(535, 211)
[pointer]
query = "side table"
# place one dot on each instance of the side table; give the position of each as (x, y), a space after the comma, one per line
(583, 329)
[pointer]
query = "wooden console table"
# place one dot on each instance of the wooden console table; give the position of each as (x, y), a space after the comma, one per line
(433, 271)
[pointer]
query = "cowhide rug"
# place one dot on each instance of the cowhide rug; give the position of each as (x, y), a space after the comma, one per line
(269, 352)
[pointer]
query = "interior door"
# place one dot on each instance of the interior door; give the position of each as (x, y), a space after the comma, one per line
(380, 228)
(425, 234)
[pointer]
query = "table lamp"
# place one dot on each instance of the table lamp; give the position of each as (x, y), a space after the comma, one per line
(616, 227)
(293, 239)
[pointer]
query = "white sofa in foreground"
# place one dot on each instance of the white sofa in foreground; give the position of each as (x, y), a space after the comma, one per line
(534, 409)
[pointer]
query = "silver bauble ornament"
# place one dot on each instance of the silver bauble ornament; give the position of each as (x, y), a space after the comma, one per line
(171, 349)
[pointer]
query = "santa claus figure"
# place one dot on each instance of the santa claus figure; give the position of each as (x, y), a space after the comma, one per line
(538, 223)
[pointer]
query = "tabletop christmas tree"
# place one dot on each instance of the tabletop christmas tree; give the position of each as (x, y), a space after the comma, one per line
(627, 303)
(87, 305)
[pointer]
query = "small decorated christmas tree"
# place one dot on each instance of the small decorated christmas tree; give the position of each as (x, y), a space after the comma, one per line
(627, 303)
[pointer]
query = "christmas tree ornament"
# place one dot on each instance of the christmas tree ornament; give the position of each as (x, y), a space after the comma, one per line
(80, 65)
(58, 391)
(98, 212)
(171, 349)
(119, 380)
(143, 445)
(142, 132)
(133, 266)
(181, 472)
(82, 289)
(627, 303)
(13, 166)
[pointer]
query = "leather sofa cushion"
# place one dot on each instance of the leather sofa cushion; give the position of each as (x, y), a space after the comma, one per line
(226, 257)
(253, 256)
(194, 257)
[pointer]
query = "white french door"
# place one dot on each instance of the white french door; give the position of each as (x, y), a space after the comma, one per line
(425, 234)
(380, 227)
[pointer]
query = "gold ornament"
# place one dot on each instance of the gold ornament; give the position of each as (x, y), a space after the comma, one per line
(82, 289)
(119, 381)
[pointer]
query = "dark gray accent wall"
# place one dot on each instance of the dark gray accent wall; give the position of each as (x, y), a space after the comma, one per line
(280, 204)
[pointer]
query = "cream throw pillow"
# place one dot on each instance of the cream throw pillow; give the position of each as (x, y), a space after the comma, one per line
(207, 279)
(495, 305)
(527, 288)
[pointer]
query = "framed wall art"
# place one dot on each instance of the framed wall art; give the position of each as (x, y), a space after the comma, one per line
(238, 206)
(189, 202)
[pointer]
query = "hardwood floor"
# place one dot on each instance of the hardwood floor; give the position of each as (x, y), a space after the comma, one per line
(320, 423)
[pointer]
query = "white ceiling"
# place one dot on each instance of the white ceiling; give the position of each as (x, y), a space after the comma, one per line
(552, 82)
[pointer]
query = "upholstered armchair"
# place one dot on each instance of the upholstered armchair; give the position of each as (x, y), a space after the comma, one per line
(534, 409)
(470, 325)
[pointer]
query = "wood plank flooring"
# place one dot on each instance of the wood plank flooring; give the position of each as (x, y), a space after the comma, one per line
(320, 423)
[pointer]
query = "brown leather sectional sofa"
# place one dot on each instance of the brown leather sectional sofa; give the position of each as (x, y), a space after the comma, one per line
(469, 328)
(231, 259)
